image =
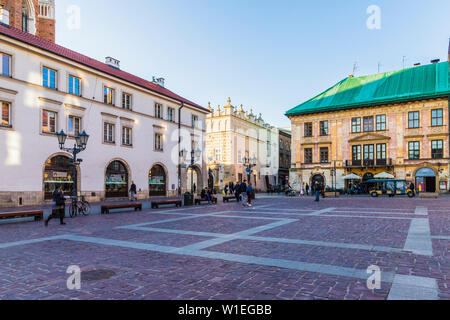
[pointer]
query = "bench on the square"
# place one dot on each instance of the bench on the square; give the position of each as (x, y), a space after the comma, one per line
(156, 204)
(198, 201)
(37, 214)
(107, 207)
(228, 198)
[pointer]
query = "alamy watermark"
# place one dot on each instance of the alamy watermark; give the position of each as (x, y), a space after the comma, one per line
(74, 280)
(374, 280)
(374, 20)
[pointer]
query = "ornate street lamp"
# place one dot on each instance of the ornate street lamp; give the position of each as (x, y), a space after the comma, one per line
(81, 141)
(250, 163)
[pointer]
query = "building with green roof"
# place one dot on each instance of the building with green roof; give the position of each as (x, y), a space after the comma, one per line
(393, 122)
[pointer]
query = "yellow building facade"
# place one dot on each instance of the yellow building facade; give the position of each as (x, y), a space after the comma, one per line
(234, 135)
(408, 138)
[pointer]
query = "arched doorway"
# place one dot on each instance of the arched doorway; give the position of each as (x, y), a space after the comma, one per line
(194, 180)
(157, 181)
(426, 180)
(319, 178)
(116, 180)
(58, 171)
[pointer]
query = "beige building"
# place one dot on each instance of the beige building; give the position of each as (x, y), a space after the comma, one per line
(233, 137)
(393, 122)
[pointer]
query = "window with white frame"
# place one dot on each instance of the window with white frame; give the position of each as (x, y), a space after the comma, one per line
(6, 114)
(109, 95)
(171, 114)
(194, 121)
(126, 101)
(109, 132)
(74, 126)
(218, 154)
(159, 142)
(5, 64)
(49, 121)
(158, 111)
(49, 77)
(74, 85)
(127, 136)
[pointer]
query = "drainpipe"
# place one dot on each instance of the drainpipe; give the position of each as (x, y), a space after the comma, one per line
(179, 148)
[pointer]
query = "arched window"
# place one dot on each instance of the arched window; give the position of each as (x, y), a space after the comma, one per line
(116, 180)
(157, 181)
(58, 172)
(25, 16)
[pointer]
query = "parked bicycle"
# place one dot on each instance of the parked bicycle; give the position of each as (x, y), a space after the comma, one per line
(79, 207)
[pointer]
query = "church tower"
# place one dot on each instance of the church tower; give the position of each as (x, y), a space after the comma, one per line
(33, 16)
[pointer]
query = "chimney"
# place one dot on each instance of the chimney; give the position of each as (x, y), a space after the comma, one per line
(4, 16)
(159, 81)
(435, 61)
(418, 64)
(113, 63)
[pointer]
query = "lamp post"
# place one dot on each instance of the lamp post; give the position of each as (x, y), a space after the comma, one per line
(195, 155)
(81, 141)
(249, 163)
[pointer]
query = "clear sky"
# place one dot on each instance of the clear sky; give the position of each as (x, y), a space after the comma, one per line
(267, 55)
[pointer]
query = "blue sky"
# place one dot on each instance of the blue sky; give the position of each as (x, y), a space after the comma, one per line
(267, 55)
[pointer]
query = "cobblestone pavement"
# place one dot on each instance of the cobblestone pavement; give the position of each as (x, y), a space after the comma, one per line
(282, 248)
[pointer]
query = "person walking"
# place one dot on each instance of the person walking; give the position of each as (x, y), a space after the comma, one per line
(226, 190)
(249, 192)
(243, 191)
(59, 206)
(209, 196)
(307, 189)
(133, 191)
(316, 189)
(237, 192)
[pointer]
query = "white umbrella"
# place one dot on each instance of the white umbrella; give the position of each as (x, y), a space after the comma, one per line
(352, 176)
(384, 175)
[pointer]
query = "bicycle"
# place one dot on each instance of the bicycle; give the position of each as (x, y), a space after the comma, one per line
(79, 207)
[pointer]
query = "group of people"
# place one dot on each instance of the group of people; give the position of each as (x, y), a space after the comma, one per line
(242, 191)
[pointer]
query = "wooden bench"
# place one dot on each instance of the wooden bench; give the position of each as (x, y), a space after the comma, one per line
(228, 198)
(37, 214)
(198, 201)
(107, 207)
(156, 204)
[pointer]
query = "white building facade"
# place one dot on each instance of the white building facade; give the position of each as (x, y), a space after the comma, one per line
(234, 135)
(133, 126)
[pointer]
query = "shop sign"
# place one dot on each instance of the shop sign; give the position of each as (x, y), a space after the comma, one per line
(59, 174)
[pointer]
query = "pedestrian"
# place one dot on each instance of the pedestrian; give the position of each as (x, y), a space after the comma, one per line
(316, 189)
(243, 191)
(249, 193)
(133, 191)
(195, 188)
(226, 190)
(59, 206)
(302, 191)
(209, 196)
(237, 192)
(307, 189)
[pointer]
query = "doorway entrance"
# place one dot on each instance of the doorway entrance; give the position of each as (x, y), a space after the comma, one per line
(426, 180)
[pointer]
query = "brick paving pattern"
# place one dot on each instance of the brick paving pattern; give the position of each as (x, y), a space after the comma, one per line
(282, 248)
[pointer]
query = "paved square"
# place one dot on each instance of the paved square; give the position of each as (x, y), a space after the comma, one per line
(282, 248)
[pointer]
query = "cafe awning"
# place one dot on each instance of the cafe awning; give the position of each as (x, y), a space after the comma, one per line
(352, 176)
(384, 175)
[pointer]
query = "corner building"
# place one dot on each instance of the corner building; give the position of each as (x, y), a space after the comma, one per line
(395, 122)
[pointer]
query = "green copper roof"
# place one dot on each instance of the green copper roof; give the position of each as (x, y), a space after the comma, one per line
(428, 81)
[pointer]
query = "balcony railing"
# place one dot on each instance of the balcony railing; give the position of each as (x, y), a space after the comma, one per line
(368, 163)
